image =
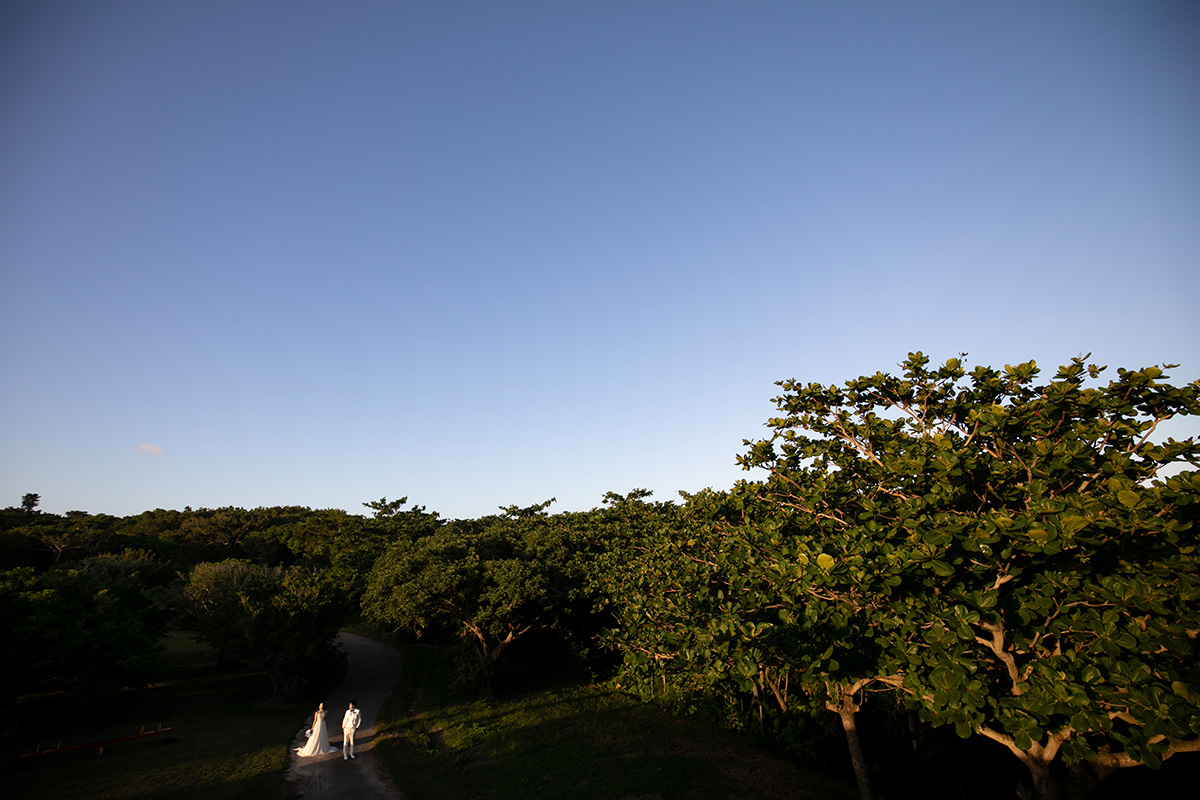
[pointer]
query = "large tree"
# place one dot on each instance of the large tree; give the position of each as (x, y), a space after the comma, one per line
(284, 619)
(727, 601)
(1022, 547)
(490, 581)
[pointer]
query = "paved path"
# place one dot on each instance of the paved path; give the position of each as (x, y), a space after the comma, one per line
(374, 670)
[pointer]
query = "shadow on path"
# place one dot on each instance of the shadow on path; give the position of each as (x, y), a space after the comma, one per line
(373, 671)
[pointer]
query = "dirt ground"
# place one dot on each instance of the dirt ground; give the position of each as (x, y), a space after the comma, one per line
(373, 670)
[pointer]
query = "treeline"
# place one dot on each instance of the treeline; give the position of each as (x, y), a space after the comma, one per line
(1011, 559)
(89, 597)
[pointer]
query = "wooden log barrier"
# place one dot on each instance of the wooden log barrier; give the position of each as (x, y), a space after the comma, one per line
(38, 751)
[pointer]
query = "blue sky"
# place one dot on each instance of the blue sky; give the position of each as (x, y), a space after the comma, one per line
(483, 254)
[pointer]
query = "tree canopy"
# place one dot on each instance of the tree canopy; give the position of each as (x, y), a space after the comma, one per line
(281, 618)
(490, 581)
(1021, 547)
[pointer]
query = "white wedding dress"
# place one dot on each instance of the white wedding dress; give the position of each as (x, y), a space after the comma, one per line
(318, 742)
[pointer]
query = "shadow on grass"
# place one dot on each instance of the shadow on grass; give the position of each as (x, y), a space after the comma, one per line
(152, 771)
(581, 742)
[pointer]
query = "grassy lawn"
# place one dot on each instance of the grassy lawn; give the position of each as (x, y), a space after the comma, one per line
(583, 742)
(225, 741)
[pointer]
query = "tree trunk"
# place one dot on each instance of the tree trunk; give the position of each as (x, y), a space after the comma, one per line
(846, 712)
(1044, 786)
(283, 683)
(1038, 759)
(1085, 778)
(1078, 782)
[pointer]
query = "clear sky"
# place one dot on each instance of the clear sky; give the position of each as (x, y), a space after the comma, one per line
(484, 253)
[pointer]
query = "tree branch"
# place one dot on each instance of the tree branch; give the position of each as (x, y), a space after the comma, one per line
(996, 645)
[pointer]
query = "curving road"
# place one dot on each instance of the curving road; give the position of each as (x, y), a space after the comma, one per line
(373, 671)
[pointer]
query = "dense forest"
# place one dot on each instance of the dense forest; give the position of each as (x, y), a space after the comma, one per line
(939, 555)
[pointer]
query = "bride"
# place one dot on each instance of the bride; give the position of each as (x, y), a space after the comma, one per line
(318, 740)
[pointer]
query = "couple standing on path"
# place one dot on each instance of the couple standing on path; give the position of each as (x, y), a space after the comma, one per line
(318, 737)
(373, 668)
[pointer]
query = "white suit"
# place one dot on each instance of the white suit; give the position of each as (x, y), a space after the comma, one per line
(350, 724)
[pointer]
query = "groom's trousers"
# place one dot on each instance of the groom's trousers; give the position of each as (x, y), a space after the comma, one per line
(348, 742)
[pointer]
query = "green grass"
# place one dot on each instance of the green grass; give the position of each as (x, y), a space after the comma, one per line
(582, 742)
(225, 741)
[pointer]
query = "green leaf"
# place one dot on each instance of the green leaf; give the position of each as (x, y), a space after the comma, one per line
(942, 568)
(1125, 640)
(825, 561)
(1073, 524)
(1129, 498)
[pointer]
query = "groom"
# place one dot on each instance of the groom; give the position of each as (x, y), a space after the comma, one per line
(349, 726)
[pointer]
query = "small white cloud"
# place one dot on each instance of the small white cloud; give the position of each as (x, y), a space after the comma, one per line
(150, 450)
